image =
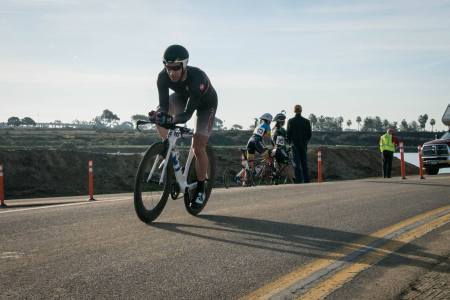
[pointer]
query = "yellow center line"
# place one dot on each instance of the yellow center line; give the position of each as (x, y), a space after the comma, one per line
(303, 272)
(339, 279)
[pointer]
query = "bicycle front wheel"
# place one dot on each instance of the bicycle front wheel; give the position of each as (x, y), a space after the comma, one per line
(231, 178)
(150, 196)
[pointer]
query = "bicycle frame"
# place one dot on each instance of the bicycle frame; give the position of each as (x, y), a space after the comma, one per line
(180, 176)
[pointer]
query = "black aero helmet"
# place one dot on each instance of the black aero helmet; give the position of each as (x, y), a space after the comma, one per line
(281, 117)
(176, 53)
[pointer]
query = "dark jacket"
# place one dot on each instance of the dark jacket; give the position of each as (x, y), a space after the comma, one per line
(299, 131)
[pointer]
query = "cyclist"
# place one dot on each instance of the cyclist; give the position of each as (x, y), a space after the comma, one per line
(192, 92)
(279, 139)
(256, 143)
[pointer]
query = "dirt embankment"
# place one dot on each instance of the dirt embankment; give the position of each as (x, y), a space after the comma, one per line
(132, 141)
(43, 173)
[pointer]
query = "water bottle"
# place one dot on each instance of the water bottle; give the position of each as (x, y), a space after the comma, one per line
(176, 161)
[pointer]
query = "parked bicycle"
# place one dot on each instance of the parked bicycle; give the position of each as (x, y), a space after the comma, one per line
(161, 173)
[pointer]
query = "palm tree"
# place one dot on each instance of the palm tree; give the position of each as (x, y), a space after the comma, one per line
(349, 123)
(432, 123)
(423, 121)
(358, 120)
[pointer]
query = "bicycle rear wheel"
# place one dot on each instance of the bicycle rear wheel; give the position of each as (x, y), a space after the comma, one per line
(150, 196)
(209, 183)
(285, 174)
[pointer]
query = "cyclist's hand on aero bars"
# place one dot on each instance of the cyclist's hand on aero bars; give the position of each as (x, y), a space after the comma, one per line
(152, 116)
(160, 118)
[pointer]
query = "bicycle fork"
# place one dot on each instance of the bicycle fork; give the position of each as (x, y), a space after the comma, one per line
(180, 174)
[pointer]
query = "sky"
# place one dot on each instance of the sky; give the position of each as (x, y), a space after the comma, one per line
(69, 60)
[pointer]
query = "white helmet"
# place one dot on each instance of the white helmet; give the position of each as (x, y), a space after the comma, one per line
(267, 117)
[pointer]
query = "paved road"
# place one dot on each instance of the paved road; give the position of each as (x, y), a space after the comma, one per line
(244, 241)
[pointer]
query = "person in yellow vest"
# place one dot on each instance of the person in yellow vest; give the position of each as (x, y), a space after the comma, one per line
(387, 148)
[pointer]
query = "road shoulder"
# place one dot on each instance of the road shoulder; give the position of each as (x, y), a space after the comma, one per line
(414, 271)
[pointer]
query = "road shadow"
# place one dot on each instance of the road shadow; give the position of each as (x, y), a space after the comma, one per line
(304, 240)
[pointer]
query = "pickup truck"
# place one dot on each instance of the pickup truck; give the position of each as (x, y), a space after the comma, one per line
(436, 154)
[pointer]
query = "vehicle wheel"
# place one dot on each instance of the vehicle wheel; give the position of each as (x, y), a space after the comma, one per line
(432, 170)
(209, 183)
(150, 196)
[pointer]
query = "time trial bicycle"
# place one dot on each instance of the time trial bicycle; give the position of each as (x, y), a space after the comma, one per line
(161, 173)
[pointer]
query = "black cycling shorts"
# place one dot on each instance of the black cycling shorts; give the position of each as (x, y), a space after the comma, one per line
(205, 115)
(254, 145)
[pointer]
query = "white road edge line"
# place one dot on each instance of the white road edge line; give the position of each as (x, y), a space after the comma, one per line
(56, 205)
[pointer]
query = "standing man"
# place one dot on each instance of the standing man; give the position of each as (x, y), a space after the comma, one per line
(387, 148)
(299, 134)
(192, 91)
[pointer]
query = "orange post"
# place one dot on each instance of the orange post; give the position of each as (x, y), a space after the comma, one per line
(91, 181)
(402, 157)
(319, 166)
(419, 148)
(2, 190)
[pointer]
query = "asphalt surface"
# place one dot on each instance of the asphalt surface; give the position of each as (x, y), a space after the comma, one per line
(244, 239)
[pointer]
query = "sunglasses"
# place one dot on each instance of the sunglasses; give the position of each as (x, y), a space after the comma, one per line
(173, 67)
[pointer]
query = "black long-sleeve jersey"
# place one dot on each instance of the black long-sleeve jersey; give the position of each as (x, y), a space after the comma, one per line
(196, 88)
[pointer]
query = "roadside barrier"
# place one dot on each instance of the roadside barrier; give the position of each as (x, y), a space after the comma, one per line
(2, 190)
(91, 181)
(402, 157)
(420, 162)
(319, 166)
